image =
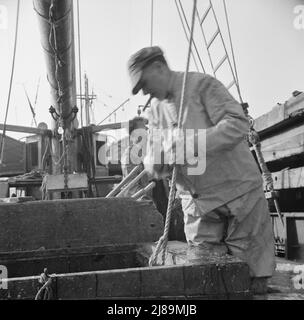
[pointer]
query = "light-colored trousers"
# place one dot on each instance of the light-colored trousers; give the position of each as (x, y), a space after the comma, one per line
(241, 228)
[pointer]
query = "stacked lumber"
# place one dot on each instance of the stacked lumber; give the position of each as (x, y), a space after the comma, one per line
(282, 141)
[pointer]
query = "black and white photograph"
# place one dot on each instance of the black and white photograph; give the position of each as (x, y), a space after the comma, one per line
(151, 153)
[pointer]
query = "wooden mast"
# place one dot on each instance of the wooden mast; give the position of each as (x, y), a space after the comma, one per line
(57, 39)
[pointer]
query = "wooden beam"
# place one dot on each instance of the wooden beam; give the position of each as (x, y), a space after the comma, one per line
(288, 179)
(110, 126)
(25, 129)
(77, 223)
(215, 278)
(284, 145)
(280, 113)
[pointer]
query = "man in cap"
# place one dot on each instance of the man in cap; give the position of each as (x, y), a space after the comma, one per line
(137, 131)
(225, 210)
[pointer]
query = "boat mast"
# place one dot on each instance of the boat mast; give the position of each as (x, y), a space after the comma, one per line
(57, 38)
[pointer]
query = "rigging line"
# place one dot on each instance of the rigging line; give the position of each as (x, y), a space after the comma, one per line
(186, 34)
(36, 99)
(120, 106)
(30, 105)
(206, 43)
(152, 21)
(11, 83)
(79, 61)
(163, 241)
(224, 44)
(193, 41)
(232, 51)
(38, 87)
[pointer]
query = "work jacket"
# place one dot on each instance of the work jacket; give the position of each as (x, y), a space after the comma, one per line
(231, 170)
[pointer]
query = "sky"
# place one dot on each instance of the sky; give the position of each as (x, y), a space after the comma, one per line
(268, 45)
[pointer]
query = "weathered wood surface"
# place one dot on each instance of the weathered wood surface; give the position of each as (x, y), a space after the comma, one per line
(285, 284)
(16, 200)
(288, 178)
(77, 181)
(279, 113)
(214, 278)
(25, 129)
(284, 145)
(228, 281)
(77, 223)
(29, 263)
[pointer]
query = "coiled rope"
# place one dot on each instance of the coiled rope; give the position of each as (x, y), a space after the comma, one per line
(163, 241)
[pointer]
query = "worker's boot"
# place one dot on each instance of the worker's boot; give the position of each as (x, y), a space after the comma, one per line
(259, 285)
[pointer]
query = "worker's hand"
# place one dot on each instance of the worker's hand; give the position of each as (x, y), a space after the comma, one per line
(157, 167)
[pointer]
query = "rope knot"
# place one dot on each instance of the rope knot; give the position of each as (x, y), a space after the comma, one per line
(254, 137)
(46, 291)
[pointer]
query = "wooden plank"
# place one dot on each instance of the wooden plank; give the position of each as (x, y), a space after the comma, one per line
(289, 214)
(284, 145)
(225, 280)
(288, 178)
(25, 264)
(16, 200)
(127, 284)
(77, 181)
(25, 129)
(276, 115)
(13, 157)
(77, 223)
(279, 113)
(110, 126)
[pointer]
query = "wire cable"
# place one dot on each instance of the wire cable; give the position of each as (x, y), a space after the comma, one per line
(152, 21)
(232, 51)
(119, 107)
(11, 83)
(79, 63)
(186, 34)
(195, 47)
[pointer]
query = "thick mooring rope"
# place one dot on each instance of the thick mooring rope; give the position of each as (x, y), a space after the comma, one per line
(163, 241)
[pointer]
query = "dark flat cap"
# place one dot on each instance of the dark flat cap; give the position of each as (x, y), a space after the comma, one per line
(138, 62)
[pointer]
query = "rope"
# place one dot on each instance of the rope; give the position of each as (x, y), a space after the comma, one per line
(79, 61)
(152, 21)
(195, 47)
(163, 241)
(11, 83)
(232, 51)
(47, 148)
(119, 107)
(31, 107)
(254, 139)
(46, 291)
(36, 96)
(44, 189)
(88, 158)
(186, 34)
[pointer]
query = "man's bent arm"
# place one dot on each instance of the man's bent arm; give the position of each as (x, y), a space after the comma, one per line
(226, 114)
